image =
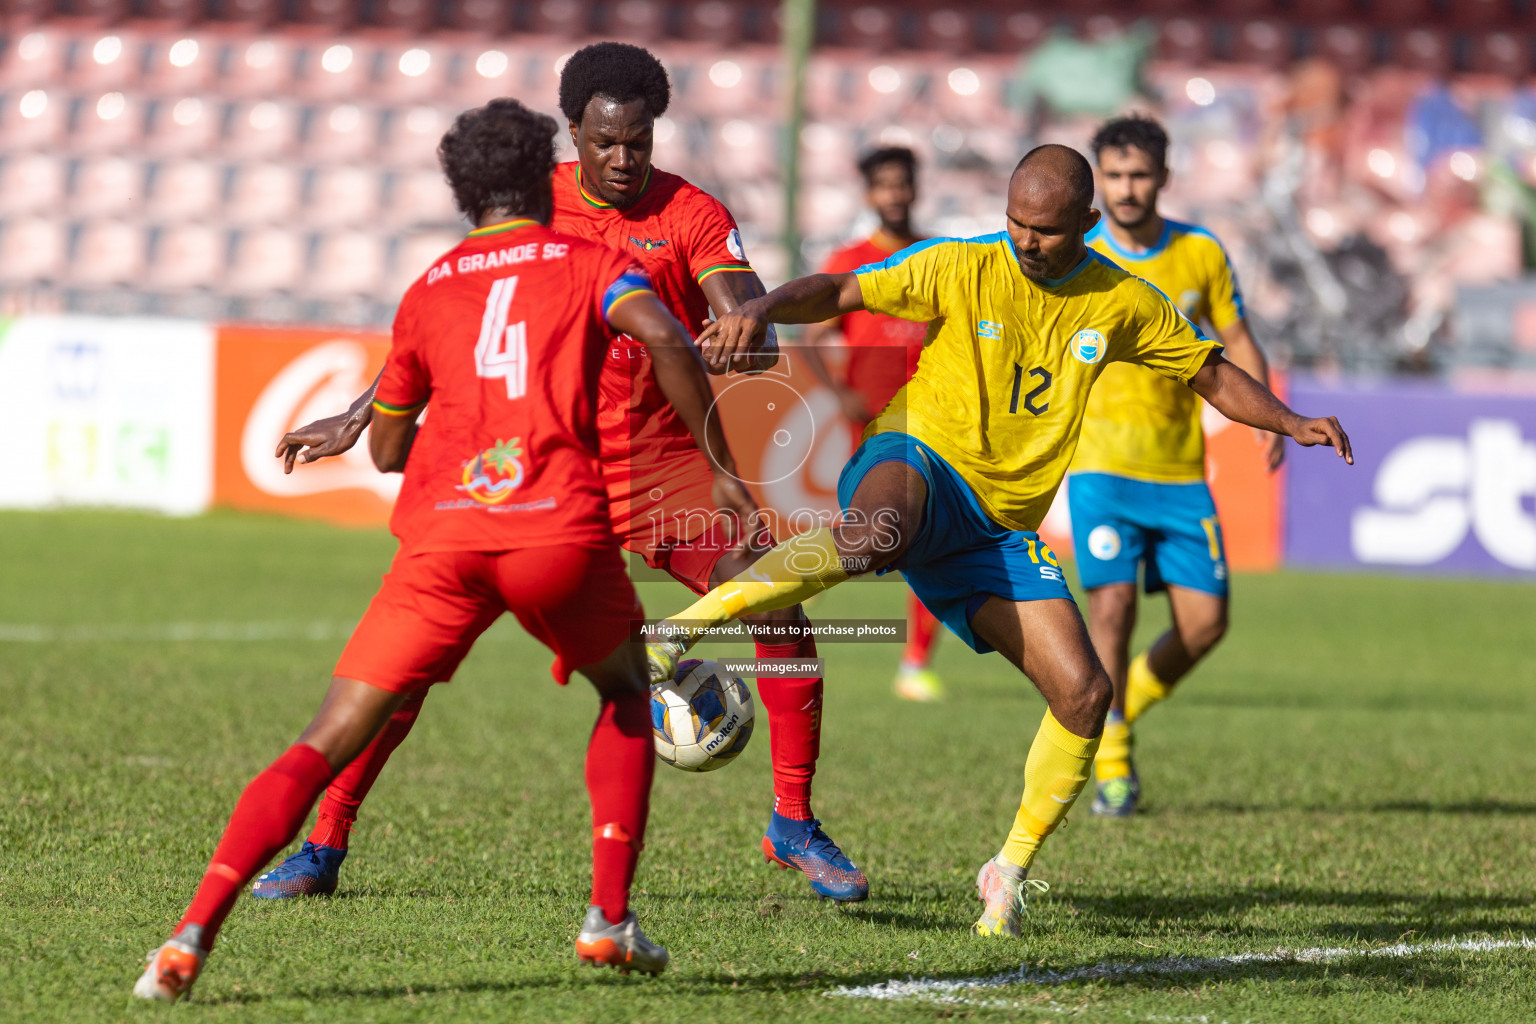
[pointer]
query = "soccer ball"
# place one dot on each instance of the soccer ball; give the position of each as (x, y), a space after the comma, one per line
(702, 719)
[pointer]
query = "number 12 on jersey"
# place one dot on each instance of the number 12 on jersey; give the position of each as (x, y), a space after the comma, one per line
(502, 351)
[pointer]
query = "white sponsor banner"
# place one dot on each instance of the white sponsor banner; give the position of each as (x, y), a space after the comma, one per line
(107, 411)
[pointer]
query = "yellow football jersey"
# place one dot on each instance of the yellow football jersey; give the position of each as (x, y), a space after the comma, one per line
(1008, 363)
(1140, 424)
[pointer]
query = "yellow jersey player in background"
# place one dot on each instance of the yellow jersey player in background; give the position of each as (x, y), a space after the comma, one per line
(954, 476)
(1137, 490)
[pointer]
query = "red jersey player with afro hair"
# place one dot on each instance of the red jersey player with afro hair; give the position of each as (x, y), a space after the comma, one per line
(503, 508)
(673, 493)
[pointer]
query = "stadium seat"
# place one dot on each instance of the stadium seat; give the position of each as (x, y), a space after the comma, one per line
(338, 14)
(249, 12)
(1186, 40)
(110, 121)
(483, 18)
(638, 21)
(262, 129)
(110, 59)
(187, 125)
(187, 256)
(1322, 13)
(713, 21)
(1507, 54)
(1351, 48)
(34, 58)
(101, 12)
(414, 72)
(262, 67)
(828, 153)
(106, 187)
(861, 26)
(107, 253)
(946, 30)
(414, 16)
(1486, 14)
(31, 249)
(420, 197)
(338, 69)
(1421, 49)
(346, 263)
(1404, 13)
(485, 72)
(263, 193)
(174, 12)
(30, 182)
(33, 119)
(414, 254)
(182, 63)
(341, 133)
(1267, 43)
(563, 18)
(265, 260)
(411, 135)
(343, 196)
(185, 190)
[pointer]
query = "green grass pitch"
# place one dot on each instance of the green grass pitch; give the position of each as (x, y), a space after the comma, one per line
(1347, 772)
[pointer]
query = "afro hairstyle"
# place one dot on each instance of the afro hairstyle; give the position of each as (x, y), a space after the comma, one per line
(500, 157)
(620, 72)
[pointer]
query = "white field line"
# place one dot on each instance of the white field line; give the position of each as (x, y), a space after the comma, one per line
(19, 633)
(956, 989)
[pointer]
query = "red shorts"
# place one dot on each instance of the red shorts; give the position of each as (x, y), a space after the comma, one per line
(577, 601)
(692, 562)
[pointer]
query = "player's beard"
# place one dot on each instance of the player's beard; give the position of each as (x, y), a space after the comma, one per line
(1131, 225)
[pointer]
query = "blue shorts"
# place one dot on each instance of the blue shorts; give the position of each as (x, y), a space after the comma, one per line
(1120, 524)
(960, 556)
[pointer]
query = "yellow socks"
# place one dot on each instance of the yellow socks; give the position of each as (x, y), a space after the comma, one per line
(1114, 758)
(1142, 689)
(786, 575)
(1054, 774)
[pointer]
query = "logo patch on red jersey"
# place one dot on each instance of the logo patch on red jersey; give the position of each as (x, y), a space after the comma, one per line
(492, 475)
(650, 244)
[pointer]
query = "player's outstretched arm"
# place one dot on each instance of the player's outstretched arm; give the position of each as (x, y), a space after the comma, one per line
(331, 435)
(727, 291)
(806, 300)
(680, 374)
(1239, 397)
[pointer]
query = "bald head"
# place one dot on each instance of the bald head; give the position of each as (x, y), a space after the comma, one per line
(1050, 208)
(1057, 171)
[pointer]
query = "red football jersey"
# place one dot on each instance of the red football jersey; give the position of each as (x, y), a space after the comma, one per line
(681, 235)
(876, 369)
(505, 335)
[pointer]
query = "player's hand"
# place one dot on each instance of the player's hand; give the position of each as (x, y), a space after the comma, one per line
(1324, 431)
(733, 338)
(1273, 445)
(731, 495)
(330, 436)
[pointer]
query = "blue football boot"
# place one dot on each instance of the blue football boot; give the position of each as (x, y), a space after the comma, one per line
(803, 845)
(313, 871)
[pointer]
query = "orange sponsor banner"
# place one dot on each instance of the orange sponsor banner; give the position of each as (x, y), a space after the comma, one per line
(1248, 496)
(270, 380)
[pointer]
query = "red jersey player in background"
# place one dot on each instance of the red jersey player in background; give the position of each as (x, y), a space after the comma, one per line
(503, 508)
(880, 356)
(668, 484)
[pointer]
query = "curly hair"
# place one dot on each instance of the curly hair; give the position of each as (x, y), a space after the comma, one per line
(618, 71)
(1124, 132)
(873, 161)
(500, 157)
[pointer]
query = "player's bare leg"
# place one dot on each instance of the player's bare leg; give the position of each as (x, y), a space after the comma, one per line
(266, 818)
(1047, 641)
(1199, 623)
(620, 762)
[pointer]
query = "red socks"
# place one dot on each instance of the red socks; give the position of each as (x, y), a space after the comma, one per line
(266, 819)
(621, 759)
(794, 729)
(338, 811)
(922, 631)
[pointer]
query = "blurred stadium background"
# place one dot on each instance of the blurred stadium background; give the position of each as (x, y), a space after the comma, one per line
(1371, 165)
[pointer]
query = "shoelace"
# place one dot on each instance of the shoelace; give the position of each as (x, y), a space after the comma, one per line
(818, 842)
(1021, 894)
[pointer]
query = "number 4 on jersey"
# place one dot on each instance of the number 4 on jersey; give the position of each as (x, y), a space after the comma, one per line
(502, 351)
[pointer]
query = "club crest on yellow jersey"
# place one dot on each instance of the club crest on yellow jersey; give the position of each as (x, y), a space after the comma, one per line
(1088, 346)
